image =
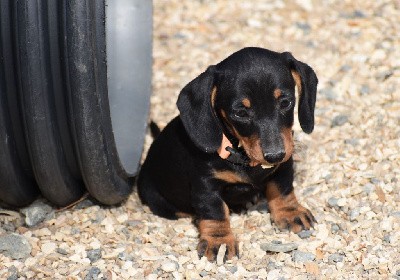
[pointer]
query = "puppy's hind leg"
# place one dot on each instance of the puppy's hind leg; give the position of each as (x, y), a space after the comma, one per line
(149, 195)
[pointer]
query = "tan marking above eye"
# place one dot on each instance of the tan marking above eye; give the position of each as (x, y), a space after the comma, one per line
(246, 102)
(277, 93)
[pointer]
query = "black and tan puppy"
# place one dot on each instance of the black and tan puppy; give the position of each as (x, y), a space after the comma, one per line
(232, 141)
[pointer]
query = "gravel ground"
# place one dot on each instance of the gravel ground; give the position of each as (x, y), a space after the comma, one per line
(348, 170)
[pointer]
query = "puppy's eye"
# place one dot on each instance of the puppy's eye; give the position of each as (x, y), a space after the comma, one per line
(285, 104)
(241, 114)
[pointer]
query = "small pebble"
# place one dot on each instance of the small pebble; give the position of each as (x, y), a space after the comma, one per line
(333, 202)
(304, 234)
(395, 214)
(12, 273)
(169, 266)
(125, 257)
(345, 68)
(335, 258)
(62, 251)
(84, 204)
(36, 213)
(339, 120)
(93, 273)
(354, 213)
(368, 188)
(335, 228)
(329, 93)
(48, 247)
(299, 256)
(276, 248)
(94, 255)
(232, 268)
(221, 254)
(203, 273)
(365, 90)
(387, 238)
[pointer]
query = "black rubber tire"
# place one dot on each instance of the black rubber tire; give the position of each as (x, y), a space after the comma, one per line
(38, 89)
(17, 188)
(85, 54)
(55, 124)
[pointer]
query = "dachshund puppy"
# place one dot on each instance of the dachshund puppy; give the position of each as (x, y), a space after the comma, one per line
(232, 141)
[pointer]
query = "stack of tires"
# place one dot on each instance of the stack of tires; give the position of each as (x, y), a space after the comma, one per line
(75, 81)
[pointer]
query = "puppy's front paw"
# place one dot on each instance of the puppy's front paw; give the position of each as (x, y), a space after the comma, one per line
(209, 246)
(295, 218)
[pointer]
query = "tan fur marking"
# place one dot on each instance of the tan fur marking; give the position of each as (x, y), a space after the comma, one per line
(286, 209)
(277, 93)
(183, 215)
(252, 146)
(213, 96)
(287, 136)
(214, 233)
(246, 103)
(297, 80)
(229, 176)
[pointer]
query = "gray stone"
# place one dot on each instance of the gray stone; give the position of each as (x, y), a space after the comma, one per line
(352, 141)
(304, 26)
(93, 255)
(384, 75)
(232, 269)
(339, 120)
(354, 213)
(335, 258)
(75, 231)
(84, 204)
(345, 68)
(328, 93)
(8, 227)
(276, 248)
(365, 90)
(299, 256)
(15, 246)
(123, 256)
(358, 14)
(304, 234)
(36, 213)
(62, 251)
(387, 238)
(169, 266)
(203, 273)
(333, 202)
(375, 181)
(395, 214)
(93, 273)
(368, 188)
(12, 273)
(335, 228)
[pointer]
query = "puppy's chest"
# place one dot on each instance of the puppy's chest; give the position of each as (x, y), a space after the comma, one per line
(257, 177)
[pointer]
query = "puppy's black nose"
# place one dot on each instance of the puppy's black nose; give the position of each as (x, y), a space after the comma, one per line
(274, 157)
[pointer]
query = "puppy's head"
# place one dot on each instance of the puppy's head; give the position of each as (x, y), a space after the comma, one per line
(250, 96)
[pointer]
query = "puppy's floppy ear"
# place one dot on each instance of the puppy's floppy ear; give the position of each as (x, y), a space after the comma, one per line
(197, 113)
(306, 81)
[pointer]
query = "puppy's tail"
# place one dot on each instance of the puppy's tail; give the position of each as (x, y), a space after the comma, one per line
(154, 129)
